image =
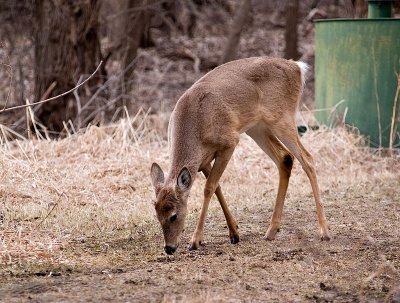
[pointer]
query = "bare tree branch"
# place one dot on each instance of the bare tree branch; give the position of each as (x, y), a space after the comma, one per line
(55, 97)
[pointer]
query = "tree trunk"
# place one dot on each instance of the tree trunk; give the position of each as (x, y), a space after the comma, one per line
(292, 12)
(238, 23)
(137, 34)
(67, 46)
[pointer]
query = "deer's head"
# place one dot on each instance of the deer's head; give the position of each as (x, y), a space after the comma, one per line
(171, 204)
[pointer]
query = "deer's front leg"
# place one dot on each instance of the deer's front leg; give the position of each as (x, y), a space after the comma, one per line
(198, 234)
(230, 220)
(221, 160)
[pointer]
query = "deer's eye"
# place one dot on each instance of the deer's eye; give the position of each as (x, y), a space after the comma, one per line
(172, 218)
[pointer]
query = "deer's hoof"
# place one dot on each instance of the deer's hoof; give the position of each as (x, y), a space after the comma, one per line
(325, 238)
(234, 239)
(271, 234)
(269, 238)
(194, 245)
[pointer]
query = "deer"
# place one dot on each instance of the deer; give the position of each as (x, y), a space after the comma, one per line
(258, 96)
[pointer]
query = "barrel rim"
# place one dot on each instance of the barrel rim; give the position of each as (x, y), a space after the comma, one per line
(355, 20)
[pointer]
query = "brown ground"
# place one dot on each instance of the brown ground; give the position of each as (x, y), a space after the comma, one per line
(109, 248)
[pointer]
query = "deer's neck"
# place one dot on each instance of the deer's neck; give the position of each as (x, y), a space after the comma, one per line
(183, 154)
(184, 148)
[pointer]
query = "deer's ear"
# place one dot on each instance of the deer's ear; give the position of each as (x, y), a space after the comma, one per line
(157, 177)
(184, 179)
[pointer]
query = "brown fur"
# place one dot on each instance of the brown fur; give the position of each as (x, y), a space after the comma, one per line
(258, 96)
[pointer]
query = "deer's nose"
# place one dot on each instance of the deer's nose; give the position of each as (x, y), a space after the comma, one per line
(169, 249)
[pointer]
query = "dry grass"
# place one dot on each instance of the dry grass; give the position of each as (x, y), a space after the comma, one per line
(95, 183)
(57, 191)
(83, 204)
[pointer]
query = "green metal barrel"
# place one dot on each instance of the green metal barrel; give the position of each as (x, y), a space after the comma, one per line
(356, 62)
(379, 8)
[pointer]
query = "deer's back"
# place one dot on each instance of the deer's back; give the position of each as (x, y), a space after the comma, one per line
(235, 96)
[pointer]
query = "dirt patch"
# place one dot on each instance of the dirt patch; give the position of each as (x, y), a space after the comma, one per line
(361, 262)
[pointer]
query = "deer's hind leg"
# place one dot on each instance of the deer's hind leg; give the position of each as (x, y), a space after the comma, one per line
(230, 220)
(287, 134)
(283, 159)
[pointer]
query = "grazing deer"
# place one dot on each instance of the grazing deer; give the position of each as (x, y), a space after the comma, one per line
(258, 96)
